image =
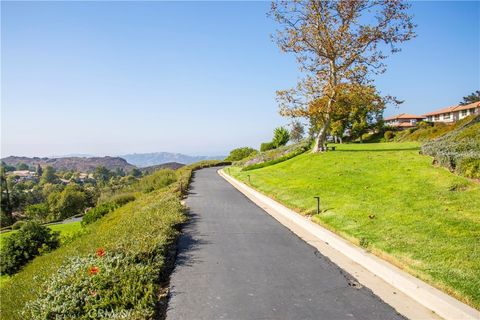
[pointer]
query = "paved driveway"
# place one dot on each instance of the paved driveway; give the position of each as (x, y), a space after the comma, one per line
(237, 262)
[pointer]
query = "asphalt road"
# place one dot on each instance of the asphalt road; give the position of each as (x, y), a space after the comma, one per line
(237, 262)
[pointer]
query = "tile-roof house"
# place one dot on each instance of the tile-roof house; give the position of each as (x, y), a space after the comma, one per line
(454, 113)
(403, 120)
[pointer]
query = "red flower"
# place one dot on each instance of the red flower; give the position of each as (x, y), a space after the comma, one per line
(100, 252)
(93, 270)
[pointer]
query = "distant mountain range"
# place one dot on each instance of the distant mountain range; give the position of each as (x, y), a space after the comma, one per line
(151, 159)
(72, 163)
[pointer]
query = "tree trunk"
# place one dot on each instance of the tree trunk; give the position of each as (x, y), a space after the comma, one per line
(321, 137)
(341, 139)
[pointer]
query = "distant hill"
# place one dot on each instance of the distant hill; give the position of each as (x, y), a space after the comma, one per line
(72, 163)
(168, 165)
(151, 159)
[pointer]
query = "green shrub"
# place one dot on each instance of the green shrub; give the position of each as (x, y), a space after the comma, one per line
(267, 146)
(122, 199)
(17, 225)
(281, 136)
(240, 153)
(24, 245)
(37, 211)
(388, 135)
(156, 180)
(109, 286)
(98, 212)
(469, 167)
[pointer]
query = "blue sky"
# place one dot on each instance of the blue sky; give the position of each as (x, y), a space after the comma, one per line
(109, 78)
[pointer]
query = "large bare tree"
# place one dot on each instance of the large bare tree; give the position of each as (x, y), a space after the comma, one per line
(336, 43)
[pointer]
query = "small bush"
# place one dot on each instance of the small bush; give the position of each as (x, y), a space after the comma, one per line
(267, 146)
(101, 286)
(240, 153)
(122, 199)
(388, 135)
(24, 245)
(469, 167)
(17, 225)
(98, 212)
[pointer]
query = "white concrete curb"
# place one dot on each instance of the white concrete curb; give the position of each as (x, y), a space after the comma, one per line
(433, 299)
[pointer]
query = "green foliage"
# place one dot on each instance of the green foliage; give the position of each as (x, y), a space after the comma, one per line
(98, 212)
(156, 180)
(281, 136)
(122, 198)
(265, 146)
(472, 97)
(102, 174)
(97, 287)
(240, 153)
(22, 246)
(48, 175)
(37, 211)
(22, 166)
(67, 203)
(388, 135)
(17, 225)
(39, 170)
(136, 173)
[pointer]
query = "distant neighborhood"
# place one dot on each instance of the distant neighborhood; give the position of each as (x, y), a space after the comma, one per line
(445, 115)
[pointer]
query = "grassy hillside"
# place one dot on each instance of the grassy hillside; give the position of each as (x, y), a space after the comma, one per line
(75, 281)
(389, 199)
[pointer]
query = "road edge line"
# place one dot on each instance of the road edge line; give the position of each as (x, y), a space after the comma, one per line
(431, 298)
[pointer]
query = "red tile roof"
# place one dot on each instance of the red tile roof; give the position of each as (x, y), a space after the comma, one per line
(453, 108)
(404, 116)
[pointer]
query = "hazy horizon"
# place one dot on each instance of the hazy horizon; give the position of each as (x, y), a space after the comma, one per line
(112, 78)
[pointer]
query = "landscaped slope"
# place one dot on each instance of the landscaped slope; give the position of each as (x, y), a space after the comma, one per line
(389, 199)
(458, 150)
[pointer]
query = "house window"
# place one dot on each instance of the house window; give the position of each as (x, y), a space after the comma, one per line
(437, 117)
(429, 118)
(464, 113)
(472, 111)
(446, 116)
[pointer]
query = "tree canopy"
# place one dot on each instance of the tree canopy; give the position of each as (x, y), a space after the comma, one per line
(338, 46)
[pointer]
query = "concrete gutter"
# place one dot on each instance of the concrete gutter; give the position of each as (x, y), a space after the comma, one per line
(410, 296)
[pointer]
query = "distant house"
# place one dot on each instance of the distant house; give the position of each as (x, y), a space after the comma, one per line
(454, 113)
(403, 120)
(22, 175)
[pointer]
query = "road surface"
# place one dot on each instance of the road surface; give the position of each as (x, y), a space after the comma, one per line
(237, 262)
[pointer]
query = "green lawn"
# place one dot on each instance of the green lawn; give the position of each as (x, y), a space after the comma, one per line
(392, 201)
(66, 230)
